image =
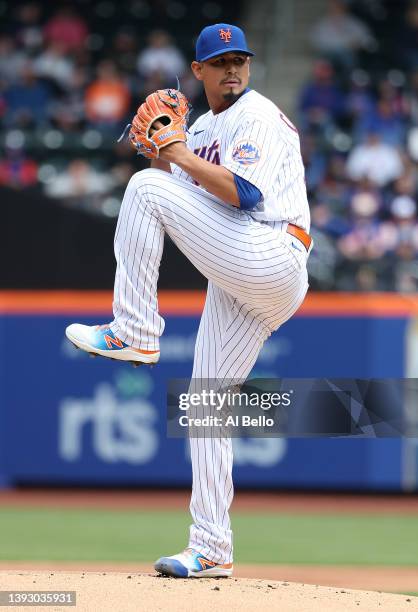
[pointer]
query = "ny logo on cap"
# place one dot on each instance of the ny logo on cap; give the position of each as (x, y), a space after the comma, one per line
(225, 35)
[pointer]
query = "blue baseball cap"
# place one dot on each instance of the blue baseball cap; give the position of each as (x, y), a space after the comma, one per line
(220, 38)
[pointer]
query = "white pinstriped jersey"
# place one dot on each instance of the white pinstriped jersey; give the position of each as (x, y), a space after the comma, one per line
(255, 140)
(256, 273)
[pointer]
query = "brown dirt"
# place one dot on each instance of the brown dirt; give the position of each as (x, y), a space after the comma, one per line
(395, 579)
(251, 501)
(122, 592)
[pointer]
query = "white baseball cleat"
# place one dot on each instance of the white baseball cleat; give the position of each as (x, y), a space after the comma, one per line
(192, 564)
(100, 340)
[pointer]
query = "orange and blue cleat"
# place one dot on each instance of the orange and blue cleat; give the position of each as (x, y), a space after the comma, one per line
(100, 340)
(192, 564)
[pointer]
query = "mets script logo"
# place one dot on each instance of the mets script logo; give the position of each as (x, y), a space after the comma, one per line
(211, 154)
(246, 152)
(225, 35)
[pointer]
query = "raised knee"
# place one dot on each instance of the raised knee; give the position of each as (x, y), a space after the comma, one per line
(144, 178)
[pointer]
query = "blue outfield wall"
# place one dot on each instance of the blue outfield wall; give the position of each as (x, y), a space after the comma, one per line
(68, 419)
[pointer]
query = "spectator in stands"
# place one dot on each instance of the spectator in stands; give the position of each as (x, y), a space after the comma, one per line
(361, 242)
(28, 100)
(399, 238)
(107, 99)
(412, 97)
(18, 171)
(408, 37)
(11, 59)
(333, 195)
(359, 97)
(125, 50)
(314, 160)
(374, 160)
(400, 234)
(394, 95)
(161, 62)
(27, 27)
(408, 182)
(366, 278)
(79, 180)
(54, 66)
(326, 220)
(339, 36)
(405, 185)
(67, 111)
(405, 276)
(321, 102)
(384, 120)
(67, 28)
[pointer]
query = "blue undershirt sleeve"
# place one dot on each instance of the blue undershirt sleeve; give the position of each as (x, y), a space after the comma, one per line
(249, 195)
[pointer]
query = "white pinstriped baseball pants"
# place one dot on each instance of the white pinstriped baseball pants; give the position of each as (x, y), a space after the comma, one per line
(257, 280)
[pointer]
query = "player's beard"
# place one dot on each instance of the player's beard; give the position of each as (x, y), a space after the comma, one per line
(232, 97)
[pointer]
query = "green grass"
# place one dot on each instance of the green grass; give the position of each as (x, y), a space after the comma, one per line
(95, 535)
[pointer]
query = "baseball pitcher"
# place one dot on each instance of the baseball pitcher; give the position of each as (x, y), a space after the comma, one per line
(230, 193)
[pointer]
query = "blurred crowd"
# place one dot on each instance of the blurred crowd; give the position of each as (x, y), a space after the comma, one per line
(73, 73)
(71, 77)
(358, 115)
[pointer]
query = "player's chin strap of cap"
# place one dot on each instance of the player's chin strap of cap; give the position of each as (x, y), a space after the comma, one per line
(300, 234)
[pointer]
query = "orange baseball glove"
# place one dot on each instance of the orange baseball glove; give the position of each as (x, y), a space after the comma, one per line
(172, 109)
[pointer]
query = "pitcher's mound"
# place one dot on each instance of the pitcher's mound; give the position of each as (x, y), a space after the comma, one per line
(122, 592)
